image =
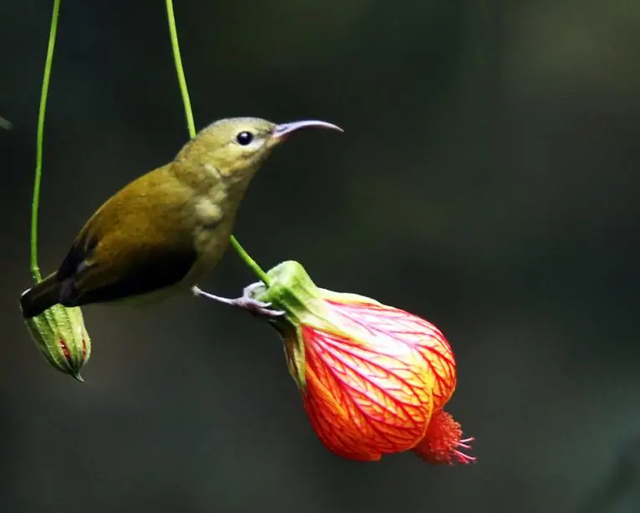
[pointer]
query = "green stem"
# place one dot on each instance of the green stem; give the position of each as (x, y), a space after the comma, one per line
(253, 265)
(182, 81)
(35, 270)
(173, 32)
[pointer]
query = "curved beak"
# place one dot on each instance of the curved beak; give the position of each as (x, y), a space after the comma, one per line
(284, 129)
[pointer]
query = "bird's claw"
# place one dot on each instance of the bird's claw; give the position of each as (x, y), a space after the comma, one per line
(246, 302)
(259, 308)
(250, 289)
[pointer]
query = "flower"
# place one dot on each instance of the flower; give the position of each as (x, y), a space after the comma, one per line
(374, 379)
(61, 336)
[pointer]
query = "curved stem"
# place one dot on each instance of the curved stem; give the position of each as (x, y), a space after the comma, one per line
(173, 33)
(35, 270)
(182, 81)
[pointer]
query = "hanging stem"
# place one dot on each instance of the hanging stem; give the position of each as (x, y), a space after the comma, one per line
(35, 270)
(182, 81)
(253, 265)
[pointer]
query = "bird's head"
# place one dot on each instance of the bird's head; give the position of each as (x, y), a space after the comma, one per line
(236, 147)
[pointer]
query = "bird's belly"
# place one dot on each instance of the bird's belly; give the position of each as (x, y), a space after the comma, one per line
(148, 298)
(211, 244)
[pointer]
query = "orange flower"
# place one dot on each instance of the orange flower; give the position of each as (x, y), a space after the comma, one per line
(373, 378)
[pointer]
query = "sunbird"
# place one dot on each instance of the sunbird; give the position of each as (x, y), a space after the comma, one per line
(166, 230)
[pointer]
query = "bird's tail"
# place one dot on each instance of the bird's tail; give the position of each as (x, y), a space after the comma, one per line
(40, 297)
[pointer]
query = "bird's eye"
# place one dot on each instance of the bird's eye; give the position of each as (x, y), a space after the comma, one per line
(244, 138)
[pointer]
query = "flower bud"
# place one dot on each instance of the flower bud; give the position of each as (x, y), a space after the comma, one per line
(373, 378)
(61, 336)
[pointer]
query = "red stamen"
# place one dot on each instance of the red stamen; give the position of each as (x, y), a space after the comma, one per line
(442, 440)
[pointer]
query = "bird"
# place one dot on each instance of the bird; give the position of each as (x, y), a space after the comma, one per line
(166, 230)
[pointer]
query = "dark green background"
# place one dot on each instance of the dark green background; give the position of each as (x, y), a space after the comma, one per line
(487, 180)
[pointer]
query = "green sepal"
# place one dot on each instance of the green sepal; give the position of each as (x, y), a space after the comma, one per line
(292, 290)
(296, 362)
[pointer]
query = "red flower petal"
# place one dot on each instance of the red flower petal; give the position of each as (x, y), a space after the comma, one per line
(365, 400)
(413, 330)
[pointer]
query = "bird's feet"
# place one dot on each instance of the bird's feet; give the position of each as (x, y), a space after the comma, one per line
(246, 302)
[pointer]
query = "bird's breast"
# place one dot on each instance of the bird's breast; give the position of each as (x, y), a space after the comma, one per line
(208, 213)
(211, 232)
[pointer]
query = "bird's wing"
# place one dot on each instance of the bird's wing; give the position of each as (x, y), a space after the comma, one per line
(134, 270)
(126, 250)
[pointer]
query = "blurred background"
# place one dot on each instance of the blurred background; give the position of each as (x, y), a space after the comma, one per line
(487, 180)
